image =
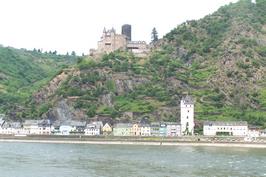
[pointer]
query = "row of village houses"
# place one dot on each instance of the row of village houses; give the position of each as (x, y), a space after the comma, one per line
(170, 129)
(184, 127)
(43, 127)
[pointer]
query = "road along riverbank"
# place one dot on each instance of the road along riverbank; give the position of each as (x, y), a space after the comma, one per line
(151, 141)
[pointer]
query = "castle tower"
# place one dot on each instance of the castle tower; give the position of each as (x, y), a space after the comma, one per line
(126, 30)
(187, 115)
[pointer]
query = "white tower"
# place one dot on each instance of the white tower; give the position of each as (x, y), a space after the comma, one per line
(187, 115)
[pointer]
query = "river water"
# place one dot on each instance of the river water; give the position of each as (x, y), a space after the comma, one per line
(85, 160)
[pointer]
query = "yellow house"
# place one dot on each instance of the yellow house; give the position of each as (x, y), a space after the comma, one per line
(135, 130)
(107, 129)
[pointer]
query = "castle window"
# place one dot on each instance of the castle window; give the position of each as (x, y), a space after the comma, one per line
(187, 110)
(107, 43)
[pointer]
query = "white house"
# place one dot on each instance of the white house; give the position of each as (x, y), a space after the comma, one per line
(237, 128)
(45, 127)
(37, 127)
(173, 129)
(74, 127)
(93, 130)
(31, 126)
(145, 130)
(65, 129)
(12, 128)
(187, 115)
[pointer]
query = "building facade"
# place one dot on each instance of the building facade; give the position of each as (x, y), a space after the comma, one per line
(135, 130)
(92, 130)
(37, 127)
(187, 115)
(112, 41)
(155, 129)
(122, 129)
(107, 129)
(213, 128)
(163, 129)
(173, 129)
(145, 130)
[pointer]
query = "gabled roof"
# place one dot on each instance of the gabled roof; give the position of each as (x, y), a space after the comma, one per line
(173, 123)
(32, 122)
(107, 124)
(98, 123)
(1, 122)
(222, 123)
(155, 124)
(12, 125)
(78, 123)
(123, 125)
(73, 123)
(144, 125)
(15, 125)
(93, 126)
(40, 123)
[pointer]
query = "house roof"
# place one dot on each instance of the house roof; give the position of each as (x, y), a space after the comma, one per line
(188, 99)
(123, 125)
(98, 123)
(56, 123)
(12, 125)
(15, 125)
(222, 123)
(32, 122)
(42, 122)
(73, 123)
(144, 125)
(155, 124)
(107, 124)
(1, 122)
(93, 126)
(78, 123)
(173, 123)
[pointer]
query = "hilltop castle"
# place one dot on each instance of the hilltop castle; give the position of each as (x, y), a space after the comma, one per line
(111, 41)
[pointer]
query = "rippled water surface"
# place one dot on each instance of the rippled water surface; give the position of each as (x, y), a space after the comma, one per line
(84, 160)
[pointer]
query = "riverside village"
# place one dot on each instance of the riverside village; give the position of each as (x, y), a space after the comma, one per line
(183, 127)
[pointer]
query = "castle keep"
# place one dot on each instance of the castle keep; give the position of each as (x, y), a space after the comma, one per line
(111, 41)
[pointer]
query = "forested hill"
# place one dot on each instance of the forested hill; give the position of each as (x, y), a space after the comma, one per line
(220, 60)
(226, 53)
(23, 72)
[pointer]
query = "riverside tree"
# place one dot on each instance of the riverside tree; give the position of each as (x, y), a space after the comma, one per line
(154, 35)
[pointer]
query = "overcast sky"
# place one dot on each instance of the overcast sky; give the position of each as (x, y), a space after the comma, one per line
(66, 25)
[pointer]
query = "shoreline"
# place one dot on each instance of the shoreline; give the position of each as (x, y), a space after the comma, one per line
(143, 143)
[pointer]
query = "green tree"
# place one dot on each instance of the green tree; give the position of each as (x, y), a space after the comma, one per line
(73, 53)
(154, 35)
